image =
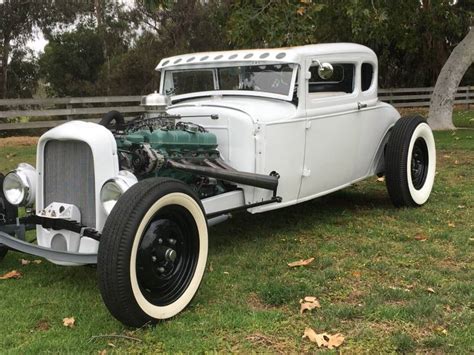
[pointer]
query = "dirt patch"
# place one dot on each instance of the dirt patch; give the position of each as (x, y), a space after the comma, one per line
(42, 325)
(18, 141)
(270, 342)
(255, 303)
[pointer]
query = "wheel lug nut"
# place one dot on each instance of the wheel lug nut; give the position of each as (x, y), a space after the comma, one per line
(153, 258)
(160, 241)
(161, 270)
(172, 241)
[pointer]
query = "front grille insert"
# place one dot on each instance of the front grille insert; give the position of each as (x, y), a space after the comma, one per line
(69, 177)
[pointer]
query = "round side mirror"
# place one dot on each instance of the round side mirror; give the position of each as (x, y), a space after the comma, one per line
(325, 71)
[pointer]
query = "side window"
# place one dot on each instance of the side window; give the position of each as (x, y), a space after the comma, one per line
(367, 76)
(340, 83)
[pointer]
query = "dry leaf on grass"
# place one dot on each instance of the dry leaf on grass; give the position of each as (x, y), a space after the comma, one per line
(300, 11)
(324, 339)
(357, 274)
(430, 290)
(421, 237)
(26, 262)
(103, 352)
(451, 224)
(309, 303)
(11, 275)
(301, 262)
(381, 179)
(69, 322)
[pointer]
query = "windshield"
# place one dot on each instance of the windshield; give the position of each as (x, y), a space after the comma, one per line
(274, 79)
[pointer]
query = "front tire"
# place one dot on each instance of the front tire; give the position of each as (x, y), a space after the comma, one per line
(410, 162)
(153, 251)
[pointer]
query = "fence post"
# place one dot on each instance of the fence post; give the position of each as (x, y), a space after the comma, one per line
(69, 106)
(468, 97)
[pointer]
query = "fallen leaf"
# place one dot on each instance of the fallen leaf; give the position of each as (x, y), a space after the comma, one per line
(11, 275)
(112, 345)
(461, 206)
(335, 341)
(309, 303)
(451, 224)
(430, 290)
(324, 339)
(301, 262)
(447, 156)
(381, 179)
(37, 261)
(420, 237)
(226, 272)
(211, 269)
(300, 11)
(69, 322)
(456, 162)
(25, 262)
(356, 274)
(315, 338)
(103, 352)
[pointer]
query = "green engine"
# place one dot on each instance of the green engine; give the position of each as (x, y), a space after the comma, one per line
(147, 145)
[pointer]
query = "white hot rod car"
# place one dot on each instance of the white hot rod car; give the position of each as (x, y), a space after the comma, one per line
(251, 130)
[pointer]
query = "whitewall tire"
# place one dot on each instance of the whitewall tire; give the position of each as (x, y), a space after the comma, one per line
(410, 162)
(153, 252)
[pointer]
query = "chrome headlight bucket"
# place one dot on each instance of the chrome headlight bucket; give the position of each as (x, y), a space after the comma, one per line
(19, 185)
(114, 188)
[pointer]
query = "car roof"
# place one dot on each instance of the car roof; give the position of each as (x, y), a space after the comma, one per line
(263, 55)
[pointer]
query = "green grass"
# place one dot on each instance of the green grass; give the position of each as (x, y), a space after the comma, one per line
(370, 275)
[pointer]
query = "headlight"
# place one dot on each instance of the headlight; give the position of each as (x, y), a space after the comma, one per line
(19, 186)
(114, 188)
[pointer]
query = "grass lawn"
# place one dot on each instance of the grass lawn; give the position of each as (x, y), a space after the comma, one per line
(380, 286)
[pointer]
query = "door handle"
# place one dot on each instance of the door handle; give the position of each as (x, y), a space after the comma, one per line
(360, 105)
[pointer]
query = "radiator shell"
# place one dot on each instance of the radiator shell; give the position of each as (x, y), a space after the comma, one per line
(81, 156)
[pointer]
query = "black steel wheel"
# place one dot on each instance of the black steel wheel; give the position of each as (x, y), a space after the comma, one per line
(153, 252)
(410, 162)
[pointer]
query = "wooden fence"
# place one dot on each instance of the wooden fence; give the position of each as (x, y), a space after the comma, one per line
(46, 113)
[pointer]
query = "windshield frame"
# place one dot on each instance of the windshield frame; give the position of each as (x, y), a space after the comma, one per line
(214, 68)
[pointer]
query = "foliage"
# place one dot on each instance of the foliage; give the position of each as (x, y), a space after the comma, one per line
(71, 62)
(23, 73)
(21, 19)
(412, 39)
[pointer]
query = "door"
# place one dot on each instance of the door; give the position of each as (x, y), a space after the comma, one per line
(332, 130)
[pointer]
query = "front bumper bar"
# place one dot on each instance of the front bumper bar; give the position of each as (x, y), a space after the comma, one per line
(56, 255)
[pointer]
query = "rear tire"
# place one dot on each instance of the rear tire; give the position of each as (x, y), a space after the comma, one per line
(153, 252)
(410, 162)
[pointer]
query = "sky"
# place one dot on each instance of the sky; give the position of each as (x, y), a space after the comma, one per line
(39, 42)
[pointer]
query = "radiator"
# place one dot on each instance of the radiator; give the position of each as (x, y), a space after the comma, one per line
(69, 177)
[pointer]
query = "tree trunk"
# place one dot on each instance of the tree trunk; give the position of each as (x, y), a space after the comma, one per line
(441, 106)
(5, 55)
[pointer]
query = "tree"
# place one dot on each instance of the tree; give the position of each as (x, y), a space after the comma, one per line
(72, 61)
(441, 106)
(23, 73)
(20, 18)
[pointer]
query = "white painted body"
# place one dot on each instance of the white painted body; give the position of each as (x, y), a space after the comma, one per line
(321, 145)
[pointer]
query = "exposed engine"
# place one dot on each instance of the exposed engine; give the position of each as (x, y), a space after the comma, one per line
(159, 144)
